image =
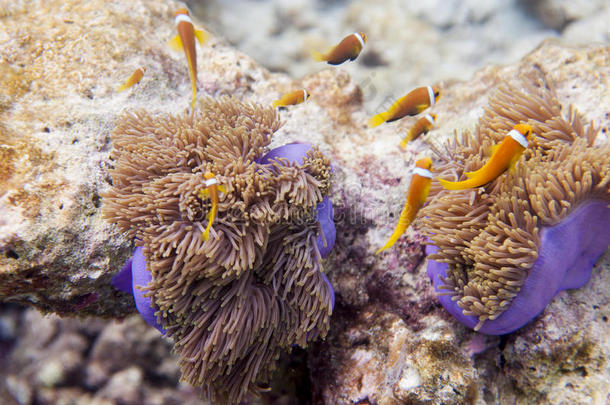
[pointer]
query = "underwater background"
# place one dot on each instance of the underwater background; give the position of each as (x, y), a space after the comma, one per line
(390, 341)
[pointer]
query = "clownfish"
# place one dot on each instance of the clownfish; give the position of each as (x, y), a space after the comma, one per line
(422, 126)
(185, 40)
(349, 48)
(133, 79)
(505, 156)
(292, 98)
(416, 197)
(411, 104)
(210, 191)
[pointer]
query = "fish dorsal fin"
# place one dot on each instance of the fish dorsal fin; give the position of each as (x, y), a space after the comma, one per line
(201, 36)
(378, 119)
(176, 43)
(318, 56)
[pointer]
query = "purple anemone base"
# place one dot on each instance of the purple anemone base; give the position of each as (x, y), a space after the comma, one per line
(566, 257)
(295, 152)
(134, 273)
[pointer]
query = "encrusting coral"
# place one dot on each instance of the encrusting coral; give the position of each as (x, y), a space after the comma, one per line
(503, 251)
(233, 302)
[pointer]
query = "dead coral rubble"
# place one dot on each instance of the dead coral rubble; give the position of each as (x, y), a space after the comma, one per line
(234, 302)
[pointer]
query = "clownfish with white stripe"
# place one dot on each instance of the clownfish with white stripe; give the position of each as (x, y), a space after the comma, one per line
(292, 98)
(185, 40)
(421, 126)
(416, 198)
(505, 156)
(348, 49)
(211, 190)
(133, 79)
(412, 104)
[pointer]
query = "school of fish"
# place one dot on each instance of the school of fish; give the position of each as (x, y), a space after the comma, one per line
(504, 155)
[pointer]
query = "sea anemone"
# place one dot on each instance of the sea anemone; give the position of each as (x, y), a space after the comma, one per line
(233, 302)
(502, 252)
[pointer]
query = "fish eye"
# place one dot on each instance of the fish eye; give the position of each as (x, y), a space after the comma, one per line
(436, 93)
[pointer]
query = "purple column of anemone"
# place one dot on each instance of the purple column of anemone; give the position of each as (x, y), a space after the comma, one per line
(565, 260)
(295, 152)
(134, 273)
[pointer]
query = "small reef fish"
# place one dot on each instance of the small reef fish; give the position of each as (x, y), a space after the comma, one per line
(412, 104)
(505, 156)
(210, 191)
(422, 126)
(185, 40)
(292, 98)
(133, 79)
(348, 49)
(416, 197)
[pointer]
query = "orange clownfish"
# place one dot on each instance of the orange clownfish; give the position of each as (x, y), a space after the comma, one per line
(349, 48)
(416, 197)
(411, 104)
(185, 40)
(504, 156)
(422, 126)
(133, 79)
(210, 191)
(292, 98)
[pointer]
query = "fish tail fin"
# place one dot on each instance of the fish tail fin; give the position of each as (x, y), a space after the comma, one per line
(206, 234)
(202, 36)
(122, 87)
(277, 103)
(405, 140)
(318, 56)
(176, 43)
(454, 185)
(210, 217)
(378, 119)
(222, 189)
(406, 216)
(387, 245)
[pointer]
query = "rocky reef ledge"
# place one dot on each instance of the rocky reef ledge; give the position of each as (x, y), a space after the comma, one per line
(390, 341)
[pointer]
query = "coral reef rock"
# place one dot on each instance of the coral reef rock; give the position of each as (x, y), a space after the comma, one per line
(59, 361)
(389, 341)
